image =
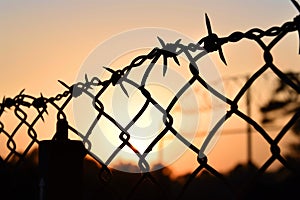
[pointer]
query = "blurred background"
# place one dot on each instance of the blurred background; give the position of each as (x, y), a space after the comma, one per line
(45, 41)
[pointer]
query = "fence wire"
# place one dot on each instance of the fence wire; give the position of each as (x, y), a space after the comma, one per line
(211, 43)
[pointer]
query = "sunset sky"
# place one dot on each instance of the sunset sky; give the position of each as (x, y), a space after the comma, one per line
(45, 41)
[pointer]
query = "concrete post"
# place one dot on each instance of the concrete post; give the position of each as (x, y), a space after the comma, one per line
(61, 166)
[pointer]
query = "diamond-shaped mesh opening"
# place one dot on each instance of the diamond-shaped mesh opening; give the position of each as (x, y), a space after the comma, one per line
(3, 148)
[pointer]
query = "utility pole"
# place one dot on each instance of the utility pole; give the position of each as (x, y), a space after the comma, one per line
(249, 128)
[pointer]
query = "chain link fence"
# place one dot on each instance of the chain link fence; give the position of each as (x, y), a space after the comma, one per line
(30, 112)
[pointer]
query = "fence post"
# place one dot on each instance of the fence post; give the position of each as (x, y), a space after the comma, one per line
(61, 166)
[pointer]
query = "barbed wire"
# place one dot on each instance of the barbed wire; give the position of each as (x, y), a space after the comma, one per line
(211, 43)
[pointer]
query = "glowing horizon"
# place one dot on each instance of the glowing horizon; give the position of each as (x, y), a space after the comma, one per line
(43, 43)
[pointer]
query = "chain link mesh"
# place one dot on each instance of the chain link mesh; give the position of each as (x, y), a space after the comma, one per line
(208, 44)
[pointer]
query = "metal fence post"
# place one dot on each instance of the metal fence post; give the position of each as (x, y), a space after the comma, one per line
(61, 166)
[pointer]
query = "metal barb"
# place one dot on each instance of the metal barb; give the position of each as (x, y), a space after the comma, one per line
(116, 78)
(22, 91)
(222, 56)
(162, 43)
(168, 51)
(109, 69)
(64, 84)
(208, 25)
(40, 103)
(87, 85)
(212, 42)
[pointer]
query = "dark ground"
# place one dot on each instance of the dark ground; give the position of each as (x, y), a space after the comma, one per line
(242, 182)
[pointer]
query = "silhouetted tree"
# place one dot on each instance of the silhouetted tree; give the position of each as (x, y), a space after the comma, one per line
(285, 102)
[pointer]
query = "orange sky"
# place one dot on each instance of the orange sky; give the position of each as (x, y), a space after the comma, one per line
(41, 42)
